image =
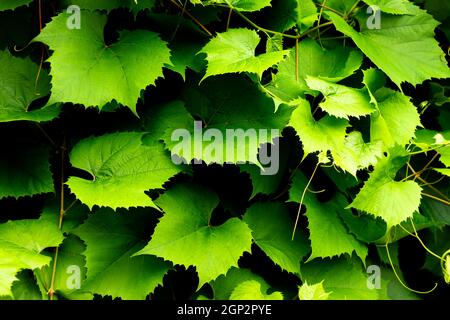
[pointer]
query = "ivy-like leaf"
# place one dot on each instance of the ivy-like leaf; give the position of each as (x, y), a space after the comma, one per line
(81, 58)
(233, 51)
(330, 65)
(184, 234)
(275, 238)
(341, 101)
(382, 196)
(21, 244)
(12, 4)
(24, 170)
(328, 234)
(20, 89)
(119, 165)
(400, 44)
(112, 238)
(251, 290)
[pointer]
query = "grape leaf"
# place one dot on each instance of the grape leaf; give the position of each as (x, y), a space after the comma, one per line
(119, 165)
(395, 6)
(108, 5)
(24, 170)
(233, 51)
(275, 239)
(224, 285)
(343, 279)
(328, 234)
(312, 292)
(398, 45)
(12, 4)
(396, 118)
(356, 154)
(112, 238)
(21, 242)
(241, 5)
(251, 290)
(237, 129)
(81, 57)
(307, 14)
(382, 196)
(330, 65)
(326, 134)
(341, 101)
(20, 89)
(185, 236)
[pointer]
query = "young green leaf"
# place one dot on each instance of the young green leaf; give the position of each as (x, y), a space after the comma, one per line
(251, 290)
(119, 165)
(184, 234)
(81, 58)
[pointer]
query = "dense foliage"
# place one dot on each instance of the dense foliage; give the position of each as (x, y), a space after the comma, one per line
(350, 99)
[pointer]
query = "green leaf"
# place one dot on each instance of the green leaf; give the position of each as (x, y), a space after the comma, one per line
(396, 119)
(430, 139)
(395, 6)
(382, 196)
(185, 236)
(241, 5)
(20, 89)
(344, 279)
(356, 154)
(330, 65)
(251, 290)
(119, 164)
(233, 51)
(224, 285)
(399, 44)
(328, 234)
(112, 239)
(326, 134)
(21, 242)
(307, 14)
(238, 130)
(312, 292)
(341, 101)
(108, 5)
(25, 288)
(12, 4)
(365, 227)
(24, 170)
(81, 57)
(275, 238)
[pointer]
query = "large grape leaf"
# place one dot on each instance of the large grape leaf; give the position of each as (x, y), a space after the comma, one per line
(184, 234)
(12, 4)
(341, 101)
(111, 239)
(24, 170)
(21, 244)
(401, 42)
(275, 238)
(239, 129)
(382, 196)
(330, 65)
(233, 51)
(119, 165)
(396, 118)
(251, 290)
(19, 89)
(241, 5)
(328, 234)
(81, 59)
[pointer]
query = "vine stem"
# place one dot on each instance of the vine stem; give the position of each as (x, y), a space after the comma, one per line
(51, 290)
(302, 199)
(429, 185)
(192, 17)
(229, 18)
